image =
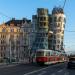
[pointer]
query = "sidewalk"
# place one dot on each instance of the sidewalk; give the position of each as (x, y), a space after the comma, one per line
(3, 65)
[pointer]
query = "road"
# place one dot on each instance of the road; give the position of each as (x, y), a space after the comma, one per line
(34, 69)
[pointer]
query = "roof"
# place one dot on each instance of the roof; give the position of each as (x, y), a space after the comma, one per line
(15, 22)
(57, 10)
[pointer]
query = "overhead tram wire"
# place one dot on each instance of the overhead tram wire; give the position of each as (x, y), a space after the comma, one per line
(63, 8)
(64, 4)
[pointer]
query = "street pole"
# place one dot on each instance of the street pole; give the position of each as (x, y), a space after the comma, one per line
(10, 51)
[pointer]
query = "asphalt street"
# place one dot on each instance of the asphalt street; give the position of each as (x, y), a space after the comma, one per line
(34, 69)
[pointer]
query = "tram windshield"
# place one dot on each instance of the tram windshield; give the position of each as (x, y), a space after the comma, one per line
(40, 53)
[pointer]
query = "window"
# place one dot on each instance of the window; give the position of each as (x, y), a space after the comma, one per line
(40, 53)
(12, 30)
(58, 41)
(64, 25)
(42, 40)
(62, 37)
(1, 43)
(51, 53)
(65, 20)
(50, 41)
(54, 36)
(44, 24)
(1, 54)
(47, 53)
(45, 44)
(50, 19)
(55, 31)
(41, 45)
(55, 19)
(53, 47)
(40, 24)
(57, 46)
(57, 53)
(3, 36)
(1, 48)
(60, 19)
(41, 18)
(58, 25)
(18, 30)
(59, 30)
(44, 18)
(39, 34)
(51, 36)
(62, 32)
(36, 44)
(12, 36)
(18, 42)
(3, 30)
(17, 36)
(58, 36)
(54, 41)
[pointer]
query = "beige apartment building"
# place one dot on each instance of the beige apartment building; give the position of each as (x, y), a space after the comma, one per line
(11, 43)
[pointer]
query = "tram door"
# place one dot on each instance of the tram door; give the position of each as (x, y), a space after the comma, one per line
(47, 54)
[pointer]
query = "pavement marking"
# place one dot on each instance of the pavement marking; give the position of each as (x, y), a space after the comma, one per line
(41, 69)
(43, 72)
(36, 71)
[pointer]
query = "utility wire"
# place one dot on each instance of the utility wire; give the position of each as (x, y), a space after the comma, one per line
(64, 4)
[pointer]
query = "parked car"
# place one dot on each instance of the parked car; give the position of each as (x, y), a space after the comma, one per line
(71, 62)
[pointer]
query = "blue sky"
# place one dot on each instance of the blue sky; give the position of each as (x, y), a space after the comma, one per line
(27, 8)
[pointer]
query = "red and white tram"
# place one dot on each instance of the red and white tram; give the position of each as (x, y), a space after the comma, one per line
(44, 56)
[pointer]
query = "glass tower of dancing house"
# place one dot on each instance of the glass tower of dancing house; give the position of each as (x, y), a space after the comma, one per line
(41, 29)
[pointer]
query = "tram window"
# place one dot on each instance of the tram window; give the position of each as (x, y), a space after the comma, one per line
(51, 53)
(56, 52)
(40, 53)
(47, 54)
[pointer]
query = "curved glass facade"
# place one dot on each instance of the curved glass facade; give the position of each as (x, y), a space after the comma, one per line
(41, 40)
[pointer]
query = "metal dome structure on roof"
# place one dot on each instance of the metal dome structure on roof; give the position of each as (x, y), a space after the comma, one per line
(57, 10)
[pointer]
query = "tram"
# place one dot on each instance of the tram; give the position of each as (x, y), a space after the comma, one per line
(46, 57)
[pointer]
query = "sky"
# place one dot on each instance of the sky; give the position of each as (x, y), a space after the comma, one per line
(26, 8)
